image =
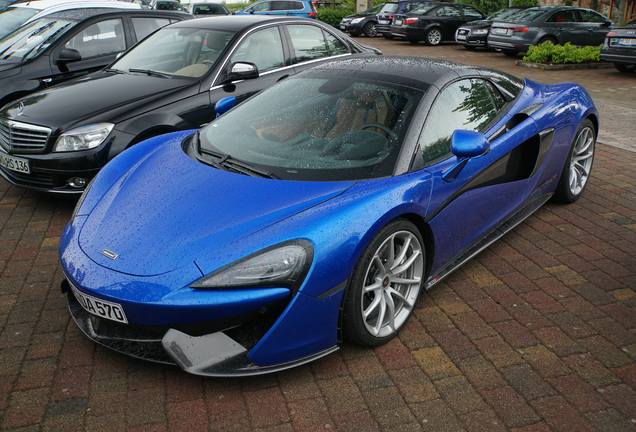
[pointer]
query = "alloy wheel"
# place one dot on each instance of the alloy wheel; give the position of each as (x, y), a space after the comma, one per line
(371, 30)
(392, 283)
(434, 37)
(581, 160)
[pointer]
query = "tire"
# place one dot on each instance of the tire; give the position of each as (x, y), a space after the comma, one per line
(508, 53)
(370, 29)
(375, 329)
(625, 68)
(575, 176)
(548, 39)
(433, 37)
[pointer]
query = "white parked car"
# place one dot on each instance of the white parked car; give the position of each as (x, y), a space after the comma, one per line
(19, 14)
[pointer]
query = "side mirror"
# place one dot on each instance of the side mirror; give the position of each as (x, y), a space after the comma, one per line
(68, 55)
(242, 71)
(465, 144)
(607, 24)
(224, 105)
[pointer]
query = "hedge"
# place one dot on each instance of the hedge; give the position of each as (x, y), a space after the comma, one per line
(333, 16)
(548, 53)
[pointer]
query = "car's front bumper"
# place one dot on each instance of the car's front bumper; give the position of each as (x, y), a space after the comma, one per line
(351, 28)
(471, 39)
(618, 57)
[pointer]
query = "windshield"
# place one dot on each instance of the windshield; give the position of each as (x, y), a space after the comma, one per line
(318, 127)
(504, 14)
(182, 52)
(375, 9)
(423, 10)
(13, 18)
(33, 38)
(389, 8)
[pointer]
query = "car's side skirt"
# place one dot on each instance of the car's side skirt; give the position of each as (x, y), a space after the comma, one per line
(504, 227)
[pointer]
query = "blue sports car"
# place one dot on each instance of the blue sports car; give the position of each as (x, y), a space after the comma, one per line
(316, 211)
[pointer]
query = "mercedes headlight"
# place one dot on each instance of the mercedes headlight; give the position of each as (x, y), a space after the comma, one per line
(283, 266)
(356, 20)
(480, 32)
(83, 138)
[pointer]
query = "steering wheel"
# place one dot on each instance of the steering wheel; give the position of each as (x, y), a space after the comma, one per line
(389, 133)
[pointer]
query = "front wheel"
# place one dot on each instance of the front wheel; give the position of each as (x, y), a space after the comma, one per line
(624, 68)
(578, 166)
(385, 285)
(434, 37)
(370, 29)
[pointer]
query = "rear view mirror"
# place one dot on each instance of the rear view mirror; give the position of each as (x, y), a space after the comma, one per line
(224, 105)
(465, 144)
(68, 55)
(242, 71)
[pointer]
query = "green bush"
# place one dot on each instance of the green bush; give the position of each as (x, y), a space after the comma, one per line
(548, 53)
(333, 16)
(525, 3)
(487, 6)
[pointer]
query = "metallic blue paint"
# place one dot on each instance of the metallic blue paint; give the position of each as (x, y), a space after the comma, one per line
(172, 220)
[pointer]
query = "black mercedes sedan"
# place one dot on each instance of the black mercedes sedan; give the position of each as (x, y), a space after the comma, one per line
(475, 33)
(434, 23)
(620, 47)
(56, 140)
(65, 45)
(556, 24)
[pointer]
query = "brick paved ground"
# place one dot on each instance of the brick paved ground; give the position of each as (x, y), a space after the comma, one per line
(536, 334)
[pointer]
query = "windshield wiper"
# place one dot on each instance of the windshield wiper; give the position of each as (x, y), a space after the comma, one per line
(150, 72)
(117, 71)
(224, 160)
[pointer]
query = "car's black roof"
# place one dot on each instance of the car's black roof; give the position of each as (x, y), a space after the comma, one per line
(421, 70)
(83, 14)
(235, 22)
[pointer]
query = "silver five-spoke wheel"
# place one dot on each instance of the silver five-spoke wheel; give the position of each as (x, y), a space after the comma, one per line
(434, 37)
(581, 160)
(392, 283)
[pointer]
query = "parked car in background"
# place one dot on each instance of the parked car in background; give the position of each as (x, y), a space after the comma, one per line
(4, 4)
(620, 47)
(169, 5)
(298, 8)
(19, 14)
(58, 139)
(556, 24)
(362, 23)
(389, 10)
(200, 8)
(70, 44)
(475, 33)
(434, 23)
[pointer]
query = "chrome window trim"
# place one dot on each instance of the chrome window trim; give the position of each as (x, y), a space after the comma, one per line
(277, 23)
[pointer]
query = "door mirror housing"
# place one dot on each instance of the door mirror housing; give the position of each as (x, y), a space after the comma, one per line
(224, 105)
(465, 144)
(68, 55)
(607, 24)
(242, 71)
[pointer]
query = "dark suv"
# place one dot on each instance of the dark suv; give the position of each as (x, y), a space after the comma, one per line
(555, 24)
(389, 10)
(434, 23)
(65, 45)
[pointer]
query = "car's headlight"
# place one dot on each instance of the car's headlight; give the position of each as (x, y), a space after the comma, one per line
(356, 20)
(83, 138)
(284, 265)
(480, 32)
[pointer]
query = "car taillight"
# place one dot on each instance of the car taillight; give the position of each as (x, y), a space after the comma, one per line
(391, 17)
(520, 29)
(312, 14)
(612, 34)
(410, 21)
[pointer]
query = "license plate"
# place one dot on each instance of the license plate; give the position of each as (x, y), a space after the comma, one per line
(461, 37)
(398, 22)
(14, 163)
(500, 31)
(624, 41)
(383, 21)
(99, 307)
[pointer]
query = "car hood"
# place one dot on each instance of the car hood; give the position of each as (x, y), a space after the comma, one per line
(169, 209)
(80, 100)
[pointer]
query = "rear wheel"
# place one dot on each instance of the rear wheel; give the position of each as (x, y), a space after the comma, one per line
(433, 37)
(370, 29)
(578, 166)
(385, 285)
(625, 68)
(548, 39)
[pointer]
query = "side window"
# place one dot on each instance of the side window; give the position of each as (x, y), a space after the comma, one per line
(447, 11)
(308, 42)
(589, 16)
(334, 45)
(471, 12)
(145, 26)
(262, 7)
(467, 104)
(563, 16)
(264, 48)
(102, 38)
